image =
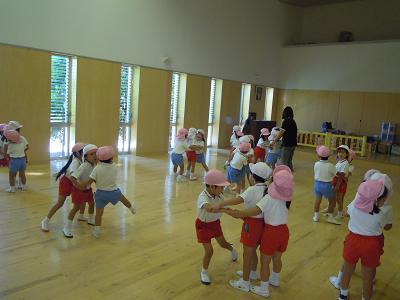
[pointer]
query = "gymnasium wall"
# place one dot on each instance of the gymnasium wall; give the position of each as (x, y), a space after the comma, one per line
(359, 113)
(25, 96)
(368, 20)
(208, 37)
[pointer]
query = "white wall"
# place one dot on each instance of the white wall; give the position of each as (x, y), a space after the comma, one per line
(368, 20)
(230, 39)
(369, 67)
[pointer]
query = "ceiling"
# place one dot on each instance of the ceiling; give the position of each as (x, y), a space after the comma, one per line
(306, 3)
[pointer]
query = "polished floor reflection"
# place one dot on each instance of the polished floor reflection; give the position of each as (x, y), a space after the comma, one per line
(154, 254)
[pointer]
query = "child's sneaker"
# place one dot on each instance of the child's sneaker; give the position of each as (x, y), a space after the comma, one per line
(315, 217)
(82, 218)
(96, 232)
(192, 177)
(253, 275)
(234, 255)
(181, 178)
(274, 279)
(240, 285)
(325, 210)
(45, 225)
(205, 278)
(334, 281)
(256, 289)
(187, 173)
(11, 189)
(67, 232)
(90, 220)
(334, 220)
(21, 187)
(133, 208)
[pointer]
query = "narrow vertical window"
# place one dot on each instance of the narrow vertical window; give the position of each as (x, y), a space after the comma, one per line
(125, 109)
(173, 116)
(211, 111)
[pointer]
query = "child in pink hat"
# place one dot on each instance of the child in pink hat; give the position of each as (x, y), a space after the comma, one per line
(365, 239)
(65, 185)
(235, 172)
(274, 147)
(104, 175)
(274, 206)
(180, 147)
(262, 145)
(208, 220)
(201, 147)
(16, 151)
(3, 153)
(324, 172)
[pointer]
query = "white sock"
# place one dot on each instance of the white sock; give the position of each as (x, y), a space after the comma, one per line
(274, 275)
(69, 223)
(339, 277)
(132, 209)
(96, 228)
(340, 213)
(81, 216)
(91, 216)
(316, 214)
(46, 219)
(330, 215)
(264, 285)
(344, 292)
(246, 282)
(204, 270)
(253, 274)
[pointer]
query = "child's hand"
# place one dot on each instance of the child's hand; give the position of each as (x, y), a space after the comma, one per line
(234, 213)
(214, 208)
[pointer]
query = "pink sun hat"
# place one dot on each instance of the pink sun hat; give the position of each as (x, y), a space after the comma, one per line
(215, 177)
(12, 136)
(369, 173)
(105, 153)
(2, 126)
(182, 132)
(367, 193)
(77, 147)
(244, 147)
(281, 168)
(282, 186)
(323, 151)
(239, 133)
(264, 131)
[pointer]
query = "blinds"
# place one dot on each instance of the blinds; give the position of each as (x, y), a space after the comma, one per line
(212, 102)
(60, 66)
(125, 94)
(173, 116)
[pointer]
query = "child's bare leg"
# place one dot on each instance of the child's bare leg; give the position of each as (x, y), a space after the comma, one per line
(73, 211)
(368, 275)
(248, 254)
(99, 215)
(254, 261)
(125, 201)
(265, 261)
(223, 243)
(57, 206)
(192, 166)
(340, 202)
(181, 169)
(205, 166)
(175, 168)
(11, 178)
(22, 177)
(277, 262)
(91, 207)
(317, 203)
(82, 208)
(348, 271)
(208, 253)
(332, 203)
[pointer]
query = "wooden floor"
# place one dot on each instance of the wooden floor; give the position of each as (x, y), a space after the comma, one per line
(154, 254)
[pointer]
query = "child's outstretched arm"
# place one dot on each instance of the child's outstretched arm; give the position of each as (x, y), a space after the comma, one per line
(244, 213)
(83, 185)
(228, 202)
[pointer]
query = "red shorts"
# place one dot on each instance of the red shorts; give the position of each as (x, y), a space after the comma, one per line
(274, 239)
(367, 248)
(252, 231)
(259, 153)
(79, 197)
(191, 156)
(342, 186)
(206, 231)
(65, 186)
(4, 162)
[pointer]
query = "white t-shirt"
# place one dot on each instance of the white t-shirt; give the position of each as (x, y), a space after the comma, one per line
(274, 210)
(180, 146)
(82, 174)
(17, 150)
(252, 195)
(73, 167)
(351, 169)
(239, 160)
(1, 149)
(105, 176)
(234, 141)
(324, 171)
(276, 148)
(262, 144)
(199, 143)
(204, 215)
(363, 223)
(250, 153)
(342, 166)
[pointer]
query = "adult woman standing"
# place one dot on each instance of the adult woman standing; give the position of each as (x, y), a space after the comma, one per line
(289, 140)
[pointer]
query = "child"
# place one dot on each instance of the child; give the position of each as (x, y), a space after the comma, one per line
(275, 236)
(82, 193)
(339, 184)
(352, 156)
(262, 144)
(236, 134)
(191, 153)
(65, 186)
(208, 221)
(105, 177)
(176, 155)
(3, 155)
(236, 166)
(200, 142)
(253, 227)
(324, 172)
(16, 149)
(365, 239)
(274, 151)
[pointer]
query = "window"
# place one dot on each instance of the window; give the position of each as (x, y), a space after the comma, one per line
(125, 109)
(59, 106)
(211, 111)
(269, 100)
(244, 103)
(173, 116)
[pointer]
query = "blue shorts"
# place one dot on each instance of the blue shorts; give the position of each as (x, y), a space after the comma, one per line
(177, 159)
(323, 189)
(17, 164)
(234, 175)
(272, 158)
(102, 198)
(200, 157)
